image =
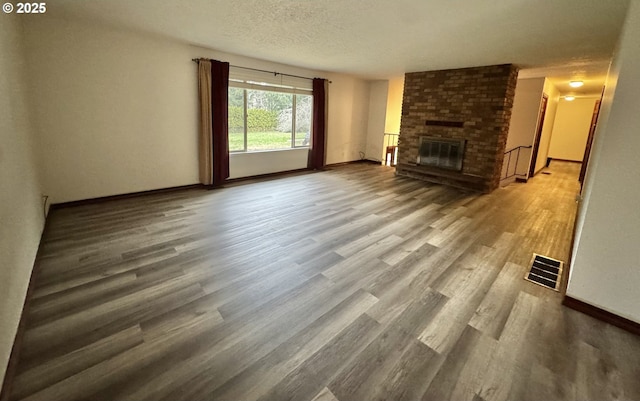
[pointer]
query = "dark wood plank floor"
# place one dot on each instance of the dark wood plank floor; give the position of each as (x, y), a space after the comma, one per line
(349, 284)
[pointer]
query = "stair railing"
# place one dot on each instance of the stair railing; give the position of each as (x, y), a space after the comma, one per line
(508, 154)
(391, 149)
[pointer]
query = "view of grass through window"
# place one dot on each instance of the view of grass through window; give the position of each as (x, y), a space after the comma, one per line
(268, 122)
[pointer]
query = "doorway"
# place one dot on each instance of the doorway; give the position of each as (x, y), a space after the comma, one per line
(587, 149)
(536, 142)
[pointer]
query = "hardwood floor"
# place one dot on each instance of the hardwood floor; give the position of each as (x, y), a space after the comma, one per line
(349, 284)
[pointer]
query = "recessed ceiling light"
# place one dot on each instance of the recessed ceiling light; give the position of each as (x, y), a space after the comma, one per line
(576, 84)
(569, 98)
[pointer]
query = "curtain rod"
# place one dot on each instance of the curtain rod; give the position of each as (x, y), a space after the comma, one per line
(196, 60)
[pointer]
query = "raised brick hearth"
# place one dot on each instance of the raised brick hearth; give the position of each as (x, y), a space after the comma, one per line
(473, 104)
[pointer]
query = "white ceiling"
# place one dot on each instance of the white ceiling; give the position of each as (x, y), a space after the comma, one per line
(383, 38)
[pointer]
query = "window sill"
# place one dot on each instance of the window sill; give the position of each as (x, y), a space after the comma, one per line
(239, 152)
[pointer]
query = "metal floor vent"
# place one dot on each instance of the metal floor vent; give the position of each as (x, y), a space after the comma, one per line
(545, 271)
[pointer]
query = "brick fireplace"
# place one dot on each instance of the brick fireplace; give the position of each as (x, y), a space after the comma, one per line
(461, 113)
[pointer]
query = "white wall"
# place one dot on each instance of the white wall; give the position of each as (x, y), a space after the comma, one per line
(385, 111)
(348, 116)
(257, 163)
(21, 208)
(545, 139)
(606, 260)
(524, 118)
(117, 110)
(524, 115)
(378, 94)
(394, 105)
(571, 129)
(394, 111)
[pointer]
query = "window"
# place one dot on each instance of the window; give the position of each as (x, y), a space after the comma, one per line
(236, 120)
(268, 119)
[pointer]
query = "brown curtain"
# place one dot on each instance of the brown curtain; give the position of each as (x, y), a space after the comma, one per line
(213, 90)
(205, 146)
(220, 120)
(318, 139)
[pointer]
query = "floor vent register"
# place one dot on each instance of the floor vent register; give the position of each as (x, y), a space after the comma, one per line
(545, 271)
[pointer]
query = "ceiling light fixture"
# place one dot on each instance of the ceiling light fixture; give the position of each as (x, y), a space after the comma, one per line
(576, 84)
(569, 98)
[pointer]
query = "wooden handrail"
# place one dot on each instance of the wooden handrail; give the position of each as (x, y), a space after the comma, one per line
(518, 147)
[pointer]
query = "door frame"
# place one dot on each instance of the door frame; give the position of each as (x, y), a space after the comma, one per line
(536, 142)
(587, 149)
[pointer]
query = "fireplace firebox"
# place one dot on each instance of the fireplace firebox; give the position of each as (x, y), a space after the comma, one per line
(441, 153)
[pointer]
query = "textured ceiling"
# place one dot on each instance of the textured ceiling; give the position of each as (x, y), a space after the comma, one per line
(382, 38)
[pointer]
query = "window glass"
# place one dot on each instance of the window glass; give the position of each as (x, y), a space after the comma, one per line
(304, 109)
(262, 120)
(236, 119)
(266, 128)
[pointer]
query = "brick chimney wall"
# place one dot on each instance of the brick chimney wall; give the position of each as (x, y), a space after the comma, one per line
(481, 99)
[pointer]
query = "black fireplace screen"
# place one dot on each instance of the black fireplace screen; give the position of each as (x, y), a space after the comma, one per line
(442, 153)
